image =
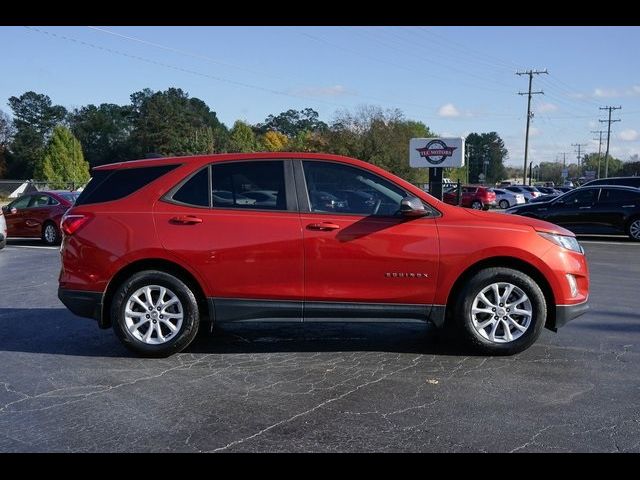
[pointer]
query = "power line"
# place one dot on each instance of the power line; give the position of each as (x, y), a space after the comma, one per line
(531, 73)
(579, 157)
(609, 122)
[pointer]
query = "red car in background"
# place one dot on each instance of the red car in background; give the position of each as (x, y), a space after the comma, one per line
(478, 198)
(151, 250)
(38, 215)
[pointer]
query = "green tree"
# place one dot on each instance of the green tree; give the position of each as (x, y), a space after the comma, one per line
(34, 117)
(292, 122)
(632, 167)
(6, 135)
(103, 132)
(171, 123)
(590, 162)
(62, 160)
(377, 136)
(242, 138)
(490, 148)
(274, 141)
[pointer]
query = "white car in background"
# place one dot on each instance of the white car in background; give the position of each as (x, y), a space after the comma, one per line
(506, 199)
(3, 231)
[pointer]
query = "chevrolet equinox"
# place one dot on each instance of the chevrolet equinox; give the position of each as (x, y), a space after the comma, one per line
(159, 248)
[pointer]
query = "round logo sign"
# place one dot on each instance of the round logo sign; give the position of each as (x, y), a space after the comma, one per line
(436, 151)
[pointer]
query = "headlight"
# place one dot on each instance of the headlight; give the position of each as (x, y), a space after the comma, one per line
(570, 243)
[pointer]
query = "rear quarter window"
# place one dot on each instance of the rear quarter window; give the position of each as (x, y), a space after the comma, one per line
(108, 185)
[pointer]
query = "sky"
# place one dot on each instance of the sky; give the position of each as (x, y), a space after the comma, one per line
(456, 80)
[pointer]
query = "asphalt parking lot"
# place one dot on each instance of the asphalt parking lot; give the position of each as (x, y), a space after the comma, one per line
(65, 385)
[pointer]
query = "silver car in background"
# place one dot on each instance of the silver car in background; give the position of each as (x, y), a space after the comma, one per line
(526, 190)
(506, 199)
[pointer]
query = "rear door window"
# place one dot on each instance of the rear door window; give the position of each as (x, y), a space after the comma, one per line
(257, 185)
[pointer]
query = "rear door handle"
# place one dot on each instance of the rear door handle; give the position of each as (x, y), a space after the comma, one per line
(324, 226)
(583, 208)
(186, 220)
(628, 206)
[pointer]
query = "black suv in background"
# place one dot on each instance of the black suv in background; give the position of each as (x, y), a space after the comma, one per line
(591, 210)
(625, 181)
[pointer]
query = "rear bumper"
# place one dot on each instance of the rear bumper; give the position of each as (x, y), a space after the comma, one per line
(83, 304)
(565, 313)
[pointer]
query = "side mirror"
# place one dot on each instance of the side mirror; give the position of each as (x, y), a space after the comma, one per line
(412, 207)
(13, 211)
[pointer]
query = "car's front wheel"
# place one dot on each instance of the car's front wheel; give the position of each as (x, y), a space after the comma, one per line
(500, 311)
(155, 314)
(633, 230)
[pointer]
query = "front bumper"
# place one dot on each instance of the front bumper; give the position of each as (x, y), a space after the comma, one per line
(82, 303)
(565, 313)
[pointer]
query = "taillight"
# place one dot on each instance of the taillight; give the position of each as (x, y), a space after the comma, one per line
(71, 223)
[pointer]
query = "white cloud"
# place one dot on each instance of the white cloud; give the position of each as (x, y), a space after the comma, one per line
(606, 92)
(634, 90)
(331, 91)
(547, 107)
(448, 110)
(629, 135)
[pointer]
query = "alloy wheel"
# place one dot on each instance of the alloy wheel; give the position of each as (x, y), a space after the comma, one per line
(501, 312)
(153, 314)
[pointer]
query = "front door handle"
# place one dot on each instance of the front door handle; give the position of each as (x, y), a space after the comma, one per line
(324, 226)
(583, 208)
(186, 220)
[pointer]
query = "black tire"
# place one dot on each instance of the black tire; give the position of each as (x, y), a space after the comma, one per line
(462, 318)
(53, 239)
(504, 204)
(634, 221)
(191, 314)
(476, 205)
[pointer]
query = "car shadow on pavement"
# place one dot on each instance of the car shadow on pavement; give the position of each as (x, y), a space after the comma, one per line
(57, 331)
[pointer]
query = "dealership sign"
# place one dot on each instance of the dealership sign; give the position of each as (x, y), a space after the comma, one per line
(436, 152)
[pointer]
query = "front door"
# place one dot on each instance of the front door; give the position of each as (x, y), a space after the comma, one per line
(573, 211)
(14, 216)
(362, 254)
(248, 251)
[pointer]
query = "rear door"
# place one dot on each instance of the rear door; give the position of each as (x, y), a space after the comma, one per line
(614, 208)
(35, 214)
(248, 251)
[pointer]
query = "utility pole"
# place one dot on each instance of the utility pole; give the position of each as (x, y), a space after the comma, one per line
(564, 160)
(531, 73)
(609, 121)
(579, 146)
(599, 148)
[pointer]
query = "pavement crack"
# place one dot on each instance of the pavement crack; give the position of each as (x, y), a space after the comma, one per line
(312, 409)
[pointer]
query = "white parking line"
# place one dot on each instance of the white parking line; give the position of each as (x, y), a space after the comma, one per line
(32, 246)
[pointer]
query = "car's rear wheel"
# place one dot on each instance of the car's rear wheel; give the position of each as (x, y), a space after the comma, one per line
(476, 205)
(500, 311)
(633, 229)
(155, 314)
(50, 234)
(504, 204)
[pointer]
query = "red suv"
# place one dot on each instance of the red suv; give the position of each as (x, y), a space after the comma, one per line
(38, 215)
(478, 198)
(152, 251)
